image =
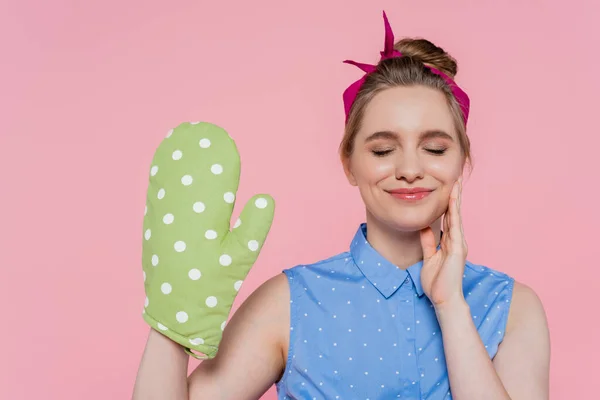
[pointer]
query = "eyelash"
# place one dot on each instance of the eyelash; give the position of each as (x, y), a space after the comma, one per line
(383, 153)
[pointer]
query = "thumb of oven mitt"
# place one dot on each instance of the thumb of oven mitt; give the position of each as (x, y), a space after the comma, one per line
(194, 263)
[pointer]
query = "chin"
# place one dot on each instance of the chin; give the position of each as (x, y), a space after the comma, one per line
(409, 220)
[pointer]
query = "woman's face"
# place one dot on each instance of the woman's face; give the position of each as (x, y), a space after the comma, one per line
(407, 141)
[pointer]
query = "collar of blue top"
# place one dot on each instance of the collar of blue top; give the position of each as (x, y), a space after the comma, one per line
(381, 273)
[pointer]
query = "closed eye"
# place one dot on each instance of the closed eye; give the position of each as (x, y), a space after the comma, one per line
(381, 153)
(438, 152)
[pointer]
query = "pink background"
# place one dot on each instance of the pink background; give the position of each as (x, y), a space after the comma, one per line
(88, 90)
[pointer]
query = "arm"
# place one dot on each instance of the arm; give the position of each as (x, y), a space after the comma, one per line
(523, 358)
(519, 370)
(163, 370)
(251, 354)
(470, 370)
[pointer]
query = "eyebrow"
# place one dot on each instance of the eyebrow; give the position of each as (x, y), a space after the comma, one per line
(428, 134)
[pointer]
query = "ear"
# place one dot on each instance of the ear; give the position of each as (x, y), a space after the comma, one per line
(348, 171)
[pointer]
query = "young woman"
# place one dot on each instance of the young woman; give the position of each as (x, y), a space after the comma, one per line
(401, 314)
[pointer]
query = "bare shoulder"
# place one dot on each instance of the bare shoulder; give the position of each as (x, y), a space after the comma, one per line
(526, 309)
(523, 358)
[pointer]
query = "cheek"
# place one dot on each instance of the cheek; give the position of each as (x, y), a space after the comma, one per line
(379, 169)
(444, 169)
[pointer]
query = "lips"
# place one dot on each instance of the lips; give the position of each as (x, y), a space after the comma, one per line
(410, 190)
(412, 194)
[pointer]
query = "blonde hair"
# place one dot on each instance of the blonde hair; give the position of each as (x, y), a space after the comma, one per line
(408, 70)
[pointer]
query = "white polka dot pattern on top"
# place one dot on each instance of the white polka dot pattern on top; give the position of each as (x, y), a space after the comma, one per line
(377, 319)
(192, 267)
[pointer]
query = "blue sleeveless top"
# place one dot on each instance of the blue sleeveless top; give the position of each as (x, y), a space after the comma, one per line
(362, 328)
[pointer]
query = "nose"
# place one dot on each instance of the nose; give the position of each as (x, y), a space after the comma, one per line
(409, 167)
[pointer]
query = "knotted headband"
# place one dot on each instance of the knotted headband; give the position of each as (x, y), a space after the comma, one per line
(389, 52)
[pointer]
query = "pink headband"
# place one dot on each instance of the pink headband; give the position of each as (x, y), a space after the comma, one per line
(389, 52)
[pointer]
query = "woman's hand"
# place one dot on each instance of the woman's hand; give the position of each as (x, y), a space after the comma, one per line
(442, 273)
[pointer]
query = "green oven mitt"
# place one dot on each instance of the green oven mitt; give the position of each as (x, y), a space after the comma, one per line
(194, 262)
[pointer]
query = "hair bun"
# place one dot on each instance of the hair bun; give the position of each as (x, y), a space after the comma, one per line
(428, 53)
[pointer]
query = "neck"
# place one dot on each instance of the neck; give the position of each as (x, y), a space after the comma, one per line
(402, 249)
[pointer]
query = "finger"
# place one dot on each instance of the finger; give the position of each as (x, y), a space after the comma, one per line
(250, 231)
(456, 225)
(428, 243)
(448, 215)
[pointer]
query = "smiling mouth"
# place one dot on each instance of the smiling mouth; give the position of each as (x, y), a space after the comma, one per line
(410, 195)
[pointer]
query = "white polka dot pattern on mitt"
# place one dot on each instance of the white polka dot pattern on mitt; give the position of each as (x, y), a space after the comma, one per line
(216, 169)
(187, 180)
(166, 288)
(253, 245)
(225, 260)
(192, 268)
(211, 301)
(179, 246)
(198, 207)
(181, 317)
(194, 274)
(197, 341)
(229, 197)
(162, 327)
(261, 202)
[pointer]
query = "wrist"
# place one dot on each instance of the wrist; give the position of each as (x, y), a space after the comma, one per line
(452, 307)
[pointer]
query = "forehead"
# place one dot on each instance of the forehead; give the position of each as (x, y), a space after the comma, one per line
(407, 111)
